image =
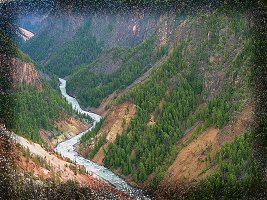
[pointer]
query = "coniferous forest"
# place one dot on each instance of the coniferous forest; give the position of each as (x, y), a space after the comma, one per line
(172, 95)
(182, 91)
(38, 110)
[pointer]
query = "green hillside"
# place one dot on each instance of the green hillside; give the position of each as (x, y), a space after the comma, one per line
(83, 48)
(130, 64)
(205, 78)
(29, 108)
(37, 110)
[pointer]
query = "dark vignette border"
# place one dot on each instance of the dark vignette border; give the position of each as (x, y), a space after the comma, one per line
(10, 10)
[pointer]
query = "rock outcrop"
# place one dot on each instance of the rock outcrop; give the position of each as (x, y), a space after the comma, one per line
(24, 72)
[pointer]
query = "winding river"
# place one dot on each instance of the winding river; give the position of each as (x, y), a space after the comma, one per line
(67, 149)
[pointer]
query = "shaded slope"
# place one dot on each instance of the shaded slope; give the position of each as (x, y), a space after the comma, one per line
(55, 30)
(82, 48)
(34, 103)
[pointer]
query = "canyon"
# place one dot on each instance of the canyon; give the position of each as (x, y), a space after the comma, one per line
(140, 104)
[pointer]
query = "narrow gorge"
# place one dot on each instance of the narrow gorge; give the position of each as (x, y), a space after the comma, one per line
(126, 100)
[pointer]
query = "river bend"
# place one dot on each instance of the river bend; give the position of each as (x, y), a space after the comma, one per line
(67, 149)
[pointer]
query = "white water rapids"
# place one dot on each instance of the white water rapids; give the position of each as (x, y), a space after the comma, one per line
(67, 149)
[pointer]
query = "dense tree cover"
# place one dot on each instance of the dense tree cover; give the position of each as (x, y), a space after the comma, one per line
(98, 86)
(145, 149)
(10, 49)
(6, 48)
(37, 109)
(37, 48)
(26, 110)
(29, 109)
(154, 146)
(47, 41)
(82, 49)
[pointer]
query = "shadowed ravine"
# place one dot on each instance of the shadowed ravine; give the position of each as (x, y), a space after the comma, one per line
(67, 149)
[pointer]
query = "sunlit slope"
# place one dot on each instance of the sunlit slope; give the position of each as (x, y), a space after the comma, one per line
(203, 81)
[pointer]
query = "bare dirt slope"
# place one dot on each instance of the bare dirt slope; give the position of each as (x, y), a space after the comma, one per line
(190, 165)
(63, 169)
(22, 71)
(69, 128)
(117, 119)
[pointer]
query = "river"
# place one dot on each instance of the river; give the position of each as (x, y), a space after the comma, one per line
(67, 149)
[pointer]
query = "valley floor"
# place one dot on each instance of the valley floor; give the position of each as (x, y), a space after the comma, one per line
(63, 169)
